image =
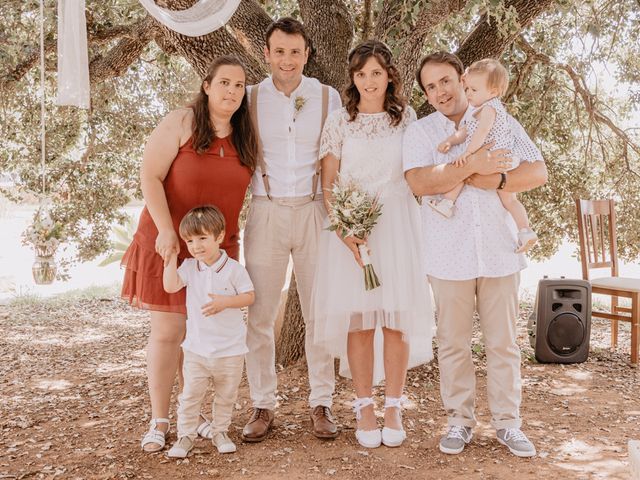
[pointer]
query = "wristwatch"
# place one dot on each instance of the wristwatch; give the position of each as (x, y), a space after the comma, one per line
(503, 180)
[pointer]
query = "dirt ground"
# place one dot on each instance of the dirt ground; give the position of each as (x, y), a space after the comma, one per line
(74, 405)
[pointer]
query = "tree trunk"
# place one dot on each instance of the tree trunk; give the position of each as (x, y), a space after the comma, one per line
(290, 343)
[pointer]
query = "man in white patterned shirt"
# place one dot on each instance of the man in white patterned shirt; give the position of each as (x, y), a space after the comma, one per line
(470, 258)
(284, 220)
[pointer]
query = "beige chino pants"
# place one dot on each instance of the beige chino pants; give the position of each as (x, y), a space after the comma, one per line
(277, 229)
(496, 301)
(225, 373)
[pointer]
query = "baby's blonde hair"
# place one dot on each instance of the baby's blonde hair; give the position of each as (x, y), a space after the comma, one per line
(497, 75)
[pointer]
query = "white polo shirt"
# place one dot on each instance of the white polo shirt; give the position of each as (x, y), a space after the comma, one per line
(223, 334)
(290, 138)
(480, 239)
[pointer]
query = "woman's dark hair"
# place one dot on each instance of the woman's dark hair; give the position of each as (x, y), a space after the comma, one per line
(394, 101)
(439, 57)
(243, 135)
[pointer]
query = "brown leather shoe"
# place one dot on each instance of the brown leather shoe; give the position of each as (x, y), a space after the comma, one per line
(258, 426)
(324, 425)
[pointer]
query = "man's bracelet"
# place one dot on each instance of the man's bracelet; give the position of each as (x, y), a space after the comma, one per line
(503, 180)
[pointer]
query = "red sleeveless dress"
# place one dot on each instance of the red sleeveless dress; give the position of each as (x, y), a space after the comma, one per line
(192, 180)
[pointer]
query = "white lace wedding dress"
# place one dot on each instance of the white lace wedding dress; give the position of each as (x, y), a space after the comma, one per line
(370, 153)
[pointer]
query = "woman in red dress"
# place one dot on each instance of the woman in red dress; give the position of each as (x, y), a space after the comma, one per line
(203, 154)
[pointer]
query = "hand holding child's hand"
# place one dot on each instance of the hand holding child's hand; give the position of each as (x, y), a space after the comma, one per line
(444, 147)
(171, 258)
(167, 242)
(217, 304)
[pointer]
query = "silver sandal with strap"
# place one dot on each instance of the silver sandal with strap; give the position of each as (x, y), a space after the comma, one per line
(155, 436)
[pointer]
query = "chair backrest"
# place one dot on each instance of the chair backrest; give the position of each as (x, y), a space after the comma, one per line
(597, 232)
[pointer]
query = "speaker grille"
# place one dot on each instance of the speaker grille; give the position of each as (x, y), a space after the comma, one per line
(565, 333)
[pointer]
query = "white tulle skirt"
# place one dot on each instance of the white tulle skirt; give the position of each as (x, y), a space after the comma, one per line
(340, 304)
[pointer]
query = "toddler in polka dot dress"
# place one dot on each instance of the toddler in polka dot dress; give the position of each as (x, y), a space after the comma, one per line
(485, 82)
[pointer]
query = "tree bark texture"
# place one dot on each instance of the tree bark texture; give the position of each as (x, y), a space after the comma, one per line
(290, 344)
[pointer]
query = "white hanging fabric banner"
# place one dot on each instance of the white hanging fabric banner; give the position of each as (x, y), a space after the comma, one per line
(202, 18)
(73, 59)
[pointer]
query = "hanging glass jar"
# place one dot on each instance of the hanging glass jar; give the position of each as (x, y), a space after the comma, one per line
(44, 266)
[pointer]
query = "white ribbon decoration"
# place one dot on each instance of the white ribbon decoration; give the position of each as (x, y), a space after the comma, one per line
(202, 18)
(73, 59)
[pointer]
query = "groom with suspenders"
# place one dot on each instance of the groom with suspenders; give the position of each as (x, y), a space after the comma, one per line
(285, 218)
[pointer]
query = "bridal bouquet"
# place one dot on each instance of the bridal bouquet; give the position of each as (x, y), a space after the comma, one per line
(355, 212)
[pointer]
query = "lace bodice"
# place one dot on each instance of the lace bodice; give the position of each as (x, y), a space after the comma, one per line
(369, 148)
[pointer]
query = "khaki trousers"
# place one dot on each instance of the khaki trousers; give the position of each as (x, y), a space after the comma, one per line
(496, 301)
(226, 373)
(277, 229)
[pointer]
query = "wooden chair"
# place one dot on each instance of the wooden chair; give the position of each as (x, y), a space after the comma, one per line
(598, 249)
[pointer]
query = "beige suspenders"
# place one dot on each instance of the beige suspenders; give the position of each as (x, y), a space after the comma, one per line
(261, 163)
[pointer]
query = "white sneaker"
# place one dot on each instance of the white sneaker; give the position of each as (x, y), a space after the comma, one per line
(223, 443)
(527, 238)
(516, 441)
(444, 207)
(181, 448)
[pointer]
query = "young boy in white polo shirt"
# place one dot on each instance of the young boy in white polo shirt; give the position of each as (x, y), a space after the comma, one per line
(215, 345)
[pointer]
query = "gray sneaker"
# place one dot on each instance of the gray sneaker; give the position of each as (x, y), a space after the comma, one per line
(516, 441)
(455, 440)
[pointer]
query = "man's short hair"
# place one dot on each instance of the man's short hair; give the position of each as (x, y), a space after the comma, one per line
(204, 220)
(290, 26)
(440, 57)
(497, 74)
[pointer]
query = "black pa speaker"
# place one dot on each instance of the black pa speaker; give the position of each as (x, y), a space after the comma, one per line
(560, 324)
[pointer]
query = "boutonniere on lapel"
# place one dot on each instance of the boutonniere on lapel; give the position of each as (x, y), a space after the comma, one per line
(298, 105)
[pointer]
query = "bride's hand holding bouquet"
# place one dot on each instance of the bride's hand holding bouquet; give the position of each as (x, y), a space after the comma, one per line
(352, 214)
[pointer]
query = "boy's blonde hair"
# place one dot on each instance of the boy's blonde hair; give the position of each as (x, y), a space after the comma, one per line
(207, 220)
(497, 75)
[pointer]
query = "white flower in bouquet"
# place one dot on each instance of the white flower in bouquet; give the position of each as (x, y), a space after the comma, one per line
(354, 212)
(44, 234)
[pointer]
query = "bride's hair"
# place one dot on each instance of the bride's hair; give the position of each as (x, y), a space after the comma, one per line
(394, 102)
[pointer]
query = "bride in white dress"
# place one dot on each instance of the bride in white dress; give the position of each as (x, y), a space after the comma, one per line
(381, 331)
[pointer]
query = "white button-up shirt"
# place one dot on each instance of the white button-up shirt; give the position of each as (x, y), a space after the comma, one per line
(223, 334)
(479, 240)
(290, 138)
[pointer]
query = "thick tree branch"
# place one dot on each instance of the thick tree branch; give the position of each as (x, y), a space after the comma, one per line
(390, 15)
(330, 26)
(410, 49)
(486, 41)
(249, 23)
(116, 61)
(366, 19)
(94, 37)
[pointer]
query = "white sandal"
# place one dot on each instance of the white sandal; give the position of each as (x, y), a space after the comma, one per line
(204, 429)
(390, 436)
(155, 436)
(366, 438)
